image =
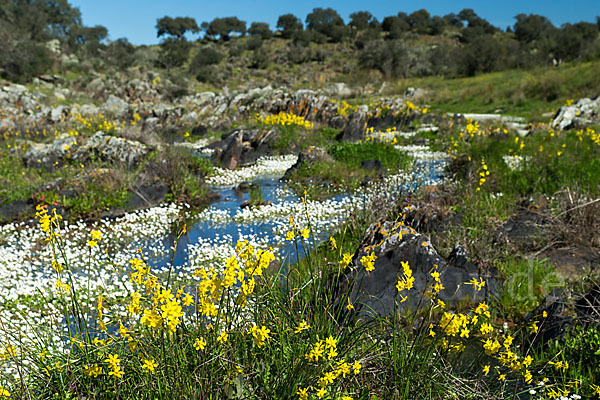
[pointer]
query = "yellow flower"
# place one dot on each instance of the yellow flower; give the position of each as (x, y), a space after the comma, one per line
(527, 376)
(223, 337)
(356, 367)
(113, 359)
(92, 243)
(502, 377)
(305, 233)
(96, 235)
(486, 370)
(260, 335)
(188, 300)
(321, 392)
(333, 242)
(368, 262)
(149, 365)
(200, 344)
(349, 307)
(302, 394)
(4, 394)
(92, 371)
(346, 260)
(290, 235)
(117, 372)
(301, 327)
(486, 328)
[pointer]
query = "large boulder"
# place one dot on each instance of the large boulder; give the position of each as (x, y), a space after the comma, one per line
(583, 112)
(112, 149)
(392, 244)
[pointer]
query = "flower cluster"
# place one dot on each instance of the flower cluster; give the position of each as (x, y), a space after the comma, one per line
(284, 119)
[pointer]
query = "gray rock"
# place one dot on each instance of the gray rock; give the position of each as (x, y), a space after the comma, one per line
(356, 128)
(50, 155)
(584, 112)
(58, 113)
(112, 149)
(339, 90)
(115, 106)
(375, 292)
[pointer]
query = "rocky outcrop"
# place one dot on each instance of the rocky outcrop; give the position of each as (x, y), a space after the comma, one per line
(115, 106)
(392, 244)
(581, 113)
(49, 156)
(112, 149)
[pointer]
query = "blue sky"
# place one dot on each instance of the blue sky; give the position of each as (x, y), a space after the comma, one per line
(136, 19)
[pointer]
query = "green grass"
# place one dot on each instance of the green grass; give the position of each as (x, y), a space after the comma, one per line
(354, 154)
(526, 283)
(527, 93)
(344, 174)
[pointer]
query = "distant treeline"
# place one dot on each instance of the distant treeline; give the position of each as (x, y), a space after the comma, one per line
(38, 35)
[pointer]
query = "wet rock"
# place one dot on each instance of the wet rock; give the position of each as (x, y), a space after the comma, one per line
(522, 230)
(556, 322)
(112, 149)
(572, 261)
(375, 291)
(16, 209)
(230, 157)
(147, 194)
(357, 125)
(308, 156)
(254, 144)
(199, 130)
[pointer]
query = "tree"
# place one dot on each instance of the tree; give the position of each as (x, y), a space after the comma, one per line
(260, 29)
(176, 27)
(576, 41)
(224, 27)
(327, 22)
(362, 20)
(289, 24)
(420, 21)
(475, 21)
(120, 53)
(396, 25)
(532, 27)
